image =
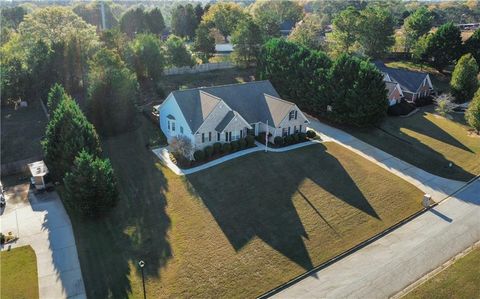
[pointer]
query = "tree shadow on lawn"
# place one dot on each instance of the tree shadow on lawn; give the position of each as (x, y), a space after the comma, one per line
(392, 140)
(135, 230)
(252, 196)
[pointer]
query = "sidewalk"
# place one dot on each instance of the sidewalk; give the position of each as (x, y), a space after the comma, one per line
(438, 187)
(163, 155)
(42, 222)
(398, 259)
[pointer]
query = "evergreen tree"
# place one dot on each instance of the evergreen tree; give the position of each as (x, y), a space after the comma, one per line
(464, 80)
(112, 93)
(472, 45)
(68, 132)
(376, 29)
(472, 115)
(444, 46)
(199, 12)
(247, 40)
(155, 21)
(204, 43)
(55, 96)
(177, 53)
(357, 94)
(184, 21)
(90, 187)
(345, 31)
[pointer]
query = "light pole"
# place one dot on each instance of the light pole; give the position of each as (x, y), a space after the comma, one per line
(142, 264)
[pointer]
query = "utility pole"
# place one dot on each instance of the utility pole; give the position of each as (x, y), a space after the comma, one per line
(102, 8)
(142, 264)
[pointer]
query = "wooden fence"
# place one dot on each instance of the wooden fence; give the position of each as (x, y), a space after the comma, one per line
(199, 68)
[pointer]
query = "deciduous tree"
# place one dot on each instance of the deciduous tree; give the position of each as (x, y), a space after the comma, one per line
(224, 16)
(464, 81)
(417, 24)
(375, 34)
(345, 31)
(90, 187)
(204, 43)
(308, 32)
(184, 21)
(269, 15)
(444, 46)
(177, 53)
(145, 56)
(247, 40)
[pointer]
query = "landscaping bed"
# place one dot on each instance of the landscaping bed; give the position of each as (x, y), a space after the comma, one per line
(237, 229)
(19, 273)
(280, 142)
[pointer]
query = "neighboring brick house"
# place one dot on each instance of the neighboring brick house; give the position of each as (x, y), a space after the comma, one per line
(414, 85)
(229, 112)
(394, 93)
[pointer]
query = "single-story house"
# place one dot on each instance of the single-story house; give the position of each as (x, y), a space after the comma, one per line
(414, 85)
(229, 112)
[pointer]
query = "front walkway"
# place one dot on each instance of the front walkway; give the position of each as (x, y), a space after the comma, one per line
(163, 154)
(439, 188)
(396, 260)
(42, 222)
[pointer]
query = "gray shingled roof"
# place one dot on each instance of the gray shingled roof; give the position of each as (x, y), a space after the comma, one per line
(225, 121)
(390, 87)
(408, 80)
(248, 99)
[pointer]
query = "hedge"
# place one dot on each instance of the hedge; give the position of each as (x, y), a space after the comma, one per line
(199, 155)
(208, 151)
(217, 147)
(235, 146)
(289, 139)
(278, 140)
(296, 138)
(302, 136)
(250, 140)
(243, 143)
(226, 148)
(311, 134)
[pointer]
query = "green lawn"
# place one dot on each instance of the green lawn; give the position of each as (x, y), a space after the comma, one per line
(429, 142)
(460, 280)
(19, 273)
(235, 230)
(22, 130)
(440, 82)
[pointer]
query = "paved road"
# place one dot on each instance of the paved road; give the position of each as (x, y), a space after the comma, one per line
(393, 262)
(439, 188)
(42, 222)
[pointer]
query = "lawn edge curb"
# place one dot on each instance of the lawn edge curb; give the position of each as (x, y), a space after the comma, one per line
(359, 246)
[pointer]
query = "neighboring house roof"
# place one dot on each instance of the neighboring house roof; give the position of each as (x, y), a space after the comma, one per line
(287, 25)
(409, 81)
(223, 48)
(390, 87)
(254, 101)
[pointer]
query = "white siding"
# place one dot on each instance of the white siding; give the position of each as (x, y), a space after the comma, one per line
(170, 106)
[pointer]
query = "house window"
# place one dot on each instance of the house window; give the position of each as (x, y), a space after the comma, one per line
(300, 129)
(226, 136)
(284, 132)
(173, 126)
(241, 133)
(209, 136)
(295, 129)
(291, 115)
(203, 137)
(218, 136)
(288, 130)
(168, 124)
(296, 114)
(181, 130)
(236, 135)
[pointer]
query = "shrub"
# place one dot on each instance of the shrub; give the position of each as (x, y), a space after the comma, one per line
(235, 146)
(226, 148)
(302, 136)
(311, 134)
(289, 139)
(278, 140)
(199, 155)
(295, 138)
(242, 143)
(261, 137)
(250, 140)
(208, 151)
(472, 115)
(217, 147)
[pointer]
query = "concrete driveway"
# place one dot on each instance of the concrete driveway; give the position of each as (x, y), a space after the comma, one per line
(388, 265)
(42, 222)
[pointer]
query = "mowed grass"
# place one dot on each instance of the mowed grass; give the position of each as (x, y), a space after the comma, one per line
(430, 142)
(235, 230)
(460, 280)
(19, 273)
(22, 131)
